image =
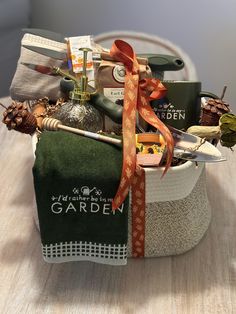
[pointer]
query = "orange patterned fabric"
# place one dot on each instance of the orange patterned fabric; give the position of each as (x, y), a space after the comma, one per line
(123, 52)
(138, 213)
(136, 98)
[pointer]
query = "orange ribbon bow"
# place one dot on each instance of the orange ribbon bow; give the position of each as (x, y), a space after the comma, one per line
(136, 98)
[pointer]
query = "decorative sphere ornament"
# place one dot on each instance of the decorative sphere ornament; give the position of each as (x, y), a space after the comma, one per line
(80, 115)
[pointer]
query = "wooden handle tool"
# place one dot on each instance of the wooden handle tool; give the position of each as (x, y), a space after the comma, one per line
(51, 124)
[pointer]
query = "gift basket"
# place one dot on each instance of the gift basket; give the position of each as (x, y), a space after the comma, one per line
(119, 152)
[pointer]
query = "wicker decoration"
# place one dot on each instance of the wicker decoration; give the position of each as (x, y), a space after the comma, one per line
(17, 117)
(43, 107)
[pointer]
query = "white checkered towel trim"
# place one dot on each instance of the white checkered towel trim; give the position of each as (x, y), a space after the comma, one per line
(115, 254)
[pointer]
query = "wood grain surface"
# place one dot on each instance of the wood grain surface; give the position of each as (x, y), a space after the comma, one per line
(202, 280)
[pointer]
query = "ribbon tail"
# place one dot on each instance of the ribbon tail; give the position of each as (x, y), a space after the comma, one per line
(129, 145)
(138, 212)
(148, 115)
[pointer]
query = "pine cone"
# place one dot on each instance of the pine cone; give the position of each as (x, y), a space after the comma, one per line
(213, 110)
(17, 117)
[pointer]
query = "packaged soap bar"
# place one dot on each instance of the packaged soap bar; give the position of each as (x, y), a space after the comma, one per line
(150, 148)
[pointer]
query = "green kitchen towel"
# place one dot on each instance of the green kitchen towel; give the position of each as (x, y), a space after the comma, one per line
(75, 180)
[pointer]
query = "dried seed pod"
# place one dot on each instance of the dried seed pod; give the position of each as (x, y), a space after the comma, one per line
(45, 108)
(40, 110)
(17, 117)
(213, 110)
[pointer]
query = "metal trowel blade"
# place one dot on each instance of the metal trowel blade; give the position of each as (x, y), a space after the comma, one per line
(186, 147)
(197, 156)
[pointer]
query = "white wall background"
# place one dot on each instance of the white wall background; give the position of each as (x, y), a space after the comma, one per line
(205, 29)
(14, 15)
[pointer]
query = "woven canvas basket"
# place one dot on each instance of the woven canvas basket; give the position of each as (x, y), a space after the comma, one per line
(177, 209)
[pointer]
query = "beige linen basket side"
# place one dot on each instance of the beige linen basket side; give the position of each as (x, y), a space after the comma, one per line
(177, 209)
(178, 212)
